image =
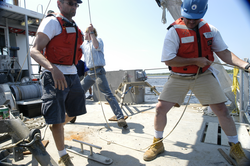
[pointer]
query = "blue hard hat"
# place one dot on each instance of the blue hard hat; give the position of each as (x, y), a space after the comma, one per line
(79, 1)
(194, 9)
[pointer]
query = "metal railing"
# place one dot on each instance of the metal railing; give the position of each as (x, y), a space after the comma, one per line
(243, 98)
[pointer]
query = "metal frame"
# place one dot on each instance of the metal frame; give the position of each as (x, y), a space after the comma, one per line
(90, 154)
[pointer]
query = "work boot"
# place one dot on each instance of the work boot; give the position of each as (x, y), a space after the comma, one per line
(154, 150)
(89, 97)
(122, 123)
(237, 153)
(65, 161)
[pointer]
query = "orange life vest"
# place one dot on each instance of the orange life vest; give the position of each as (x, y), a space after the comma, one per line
(64, 49)
(193, 45)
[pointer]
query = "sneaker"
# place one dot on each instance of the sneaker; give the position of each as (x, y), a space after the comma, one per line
(237, 153)
(122, 123)
(65, 161)
(73, 120)
(154, 150)
(89, 97)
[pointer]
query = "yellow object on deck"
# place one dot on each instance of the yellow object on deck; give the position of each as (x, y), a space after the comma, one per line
(235, 86)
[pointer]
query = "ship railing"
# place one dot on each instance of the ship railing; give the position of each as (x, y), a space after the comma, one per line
(162, 73)
(24, 5)
(243, 97)
(156, 76)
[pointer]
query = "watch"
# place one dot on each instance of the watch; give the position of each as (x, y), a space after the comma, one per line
(247, 67)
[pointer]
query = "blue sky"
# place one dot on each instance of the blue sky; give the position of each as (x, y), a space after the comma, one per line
(133, 33)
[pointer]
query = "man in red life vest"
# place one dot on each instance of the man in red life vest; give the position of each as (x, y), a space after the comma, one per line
(188, 51)
(62, 92)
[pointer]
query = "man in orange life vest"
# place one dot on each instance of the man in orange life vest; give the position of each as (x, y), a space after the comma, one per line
(62, 92)
(188, 49)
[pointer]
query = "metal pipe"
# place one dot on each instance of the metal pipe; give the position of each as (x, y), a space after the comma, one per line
(24, 4)
(41, 8)
(6, 30)
(241, 111)
(27, 44)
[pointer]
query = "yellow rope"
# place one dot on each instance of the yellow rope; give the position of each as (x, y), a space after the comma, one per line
(235, 86)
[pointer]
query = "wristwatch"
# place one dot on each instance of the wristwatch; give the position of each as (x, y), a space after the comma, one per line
(247, 67)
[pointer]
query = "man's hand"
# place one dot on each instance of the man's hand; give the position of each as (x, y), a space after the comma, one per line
(179, 62)
(202, 62)
(58, 78)
(90, 28)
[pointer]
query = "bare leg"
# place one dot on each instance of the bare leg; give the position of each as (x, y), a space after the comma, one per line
(90, 91)
(225, 120)
(160, 119)
(67, 119)
(58, 134)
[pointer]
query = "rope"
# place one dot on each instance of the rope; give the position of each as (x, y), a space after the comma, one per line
(89, 13)
(235, 87)
(142, 149)
(14, 144)
(99, 94)
(231, 66)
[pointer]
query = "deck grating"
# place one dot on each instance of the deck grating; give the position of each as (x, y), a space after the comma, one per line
(213, 134)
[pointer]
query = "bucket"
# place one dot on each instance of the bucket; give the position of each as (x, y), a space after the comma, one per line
(4, 112)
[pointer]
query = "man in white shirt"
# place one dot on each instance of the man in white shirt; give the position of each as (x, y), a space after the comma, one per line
(62, 92)
(92, 49)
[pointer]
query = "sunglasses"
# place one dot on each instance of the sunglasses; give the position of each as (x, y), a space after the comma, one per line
(70, 3)
(192, 19)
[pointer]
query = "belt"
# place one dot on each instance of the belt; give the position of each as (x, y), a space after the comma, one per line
(190, 77)
(183, 77)
(96, 67)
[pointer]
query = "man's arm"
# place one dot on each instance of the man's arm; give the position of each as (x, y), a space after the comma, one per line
(93, 37)
(230, 58)
(40, 42)
(179, 62)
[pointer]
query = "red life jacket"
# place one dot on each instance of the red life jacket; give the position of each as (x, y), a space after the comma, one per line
(64, 49)
(190, 47)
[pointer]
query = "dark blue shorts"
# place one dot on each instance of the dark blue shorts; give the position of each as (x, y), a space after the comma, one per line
(56, 102)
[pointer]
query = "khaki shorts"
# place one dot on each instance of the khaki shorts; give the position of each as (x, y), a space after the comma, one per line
(206, 89)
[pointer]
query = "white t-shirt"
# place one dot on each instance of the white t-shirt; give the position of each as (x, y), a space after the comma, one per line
(171, 43)
(51, 27)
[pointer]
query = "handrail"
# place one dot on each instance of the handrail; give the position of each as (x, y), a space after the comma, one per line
(41, 7)
(19, 3)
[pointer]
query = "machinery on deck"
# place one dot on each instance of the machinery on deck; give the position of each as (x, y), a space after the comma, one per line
(20, 89)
